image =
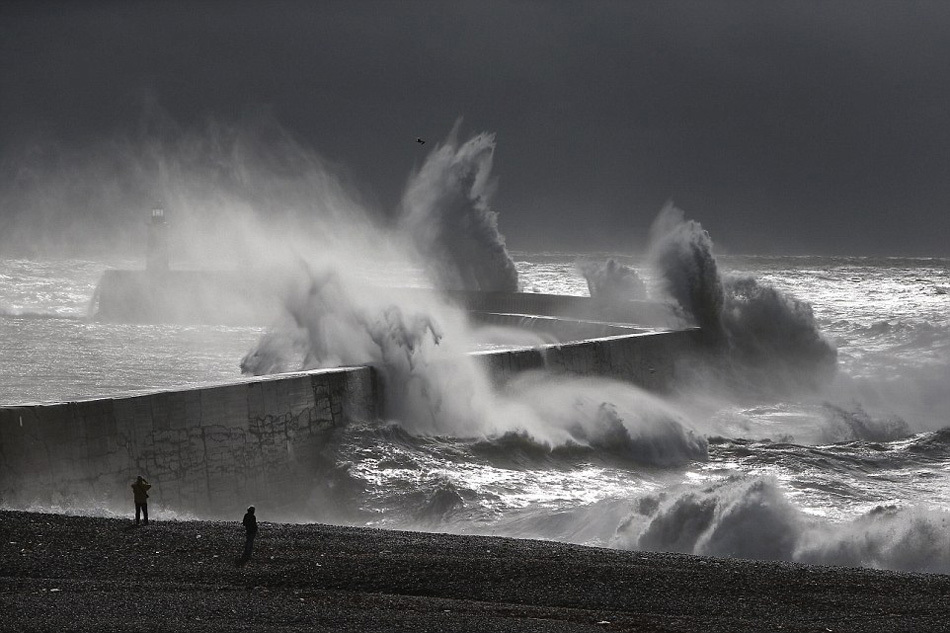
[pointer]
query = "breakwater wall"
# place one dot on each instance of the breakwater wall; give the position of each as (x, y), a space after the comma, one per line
(651, 360)
(209, 450)
(556, 329)
(205, 450)
(255, 297)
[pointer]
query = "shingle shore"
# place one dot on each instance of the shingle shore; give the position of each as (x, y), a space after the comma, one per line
(67, 573)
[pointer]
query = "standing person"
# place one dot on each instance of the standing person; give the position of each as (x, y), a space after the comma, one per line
(250, 531)
(140, 492)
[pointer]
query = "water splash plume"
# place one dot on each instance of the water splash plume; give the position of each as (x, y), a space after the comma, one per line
(681, 251)
(433, 386)
(419, 346)
(760, 331)
(750, 517)
(612, 281)
(446, 210)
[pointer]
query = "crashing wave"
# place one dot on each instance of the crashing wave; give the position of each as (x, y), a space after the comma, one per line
(752, 518)
(612, 281)
(761, 332)
(446, 210)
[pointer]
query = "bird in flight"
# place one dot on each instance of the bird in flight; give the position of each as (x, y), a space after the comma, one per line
(421, 141)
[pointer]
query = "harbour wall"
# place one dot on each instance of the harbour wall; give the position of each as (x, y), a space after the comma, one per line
(205, 450)
(209, 450)
(255, 297)
(651, 360)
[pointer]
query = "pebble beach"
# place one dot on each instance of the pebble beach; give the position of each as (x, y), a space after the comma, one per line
(75, 573)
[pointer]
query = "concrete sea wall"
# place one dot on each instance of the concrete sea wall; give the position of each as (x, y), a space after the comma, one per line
(209, 450)
(654, 314)
(205, 450)
(254, 297)
(651, 360)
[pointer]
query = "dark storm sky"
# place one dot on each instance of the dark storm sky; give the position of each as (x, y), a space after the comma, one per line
(795, 127)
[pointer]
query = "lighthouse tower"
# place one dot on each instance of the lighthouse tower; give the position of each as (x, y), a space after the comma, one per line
(156, 253)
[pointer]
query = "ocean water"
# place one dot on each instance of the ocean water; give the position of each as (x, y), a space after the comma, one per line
(850, 466)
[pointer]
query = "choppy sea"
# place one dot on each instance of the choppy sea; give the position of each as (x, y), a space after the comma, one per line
(852, 468)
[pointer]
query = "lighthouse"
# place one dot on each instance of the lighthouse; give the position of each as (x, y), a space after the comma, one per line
(156, 253)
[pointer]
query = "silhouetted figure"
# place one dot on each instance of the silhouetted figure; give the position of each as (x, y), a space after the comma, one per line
(140, 492)
(421, 141)
(250, 531)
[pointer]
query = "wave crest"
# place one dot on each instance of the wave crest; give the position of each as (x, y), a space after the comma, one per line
(762, 333)
(609, 417)
(752, 518)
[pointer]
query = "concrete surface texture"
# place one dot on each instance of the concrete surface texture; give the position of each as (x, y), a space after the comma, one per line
(207, 449)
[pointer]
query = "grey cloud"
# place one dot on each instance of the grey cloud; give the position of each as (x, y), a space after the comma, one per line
(781, 126)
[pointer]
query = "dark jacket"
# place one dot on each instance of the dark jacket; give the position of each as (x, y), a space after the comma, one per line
(250, 524)
(140, 490)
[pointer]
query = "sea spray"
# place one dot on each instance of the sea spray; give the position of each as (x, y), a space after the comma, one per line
(914, 539)
(846, 424)
(681, 251)
(762, 334)
(750, 517)
(608, 416)
(431, 385)
(899, 367)
(773, 331)
(420, 347)
(611, 281)
(278, 350)
(234, 192)
(744, 519)
(446, 209)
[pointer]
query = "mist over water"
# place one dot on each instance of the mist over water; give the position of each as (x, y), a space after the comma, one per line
(235, 194)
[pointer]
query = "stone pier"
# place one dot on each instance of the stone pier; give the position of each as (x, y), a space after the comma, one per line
(208, 450)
